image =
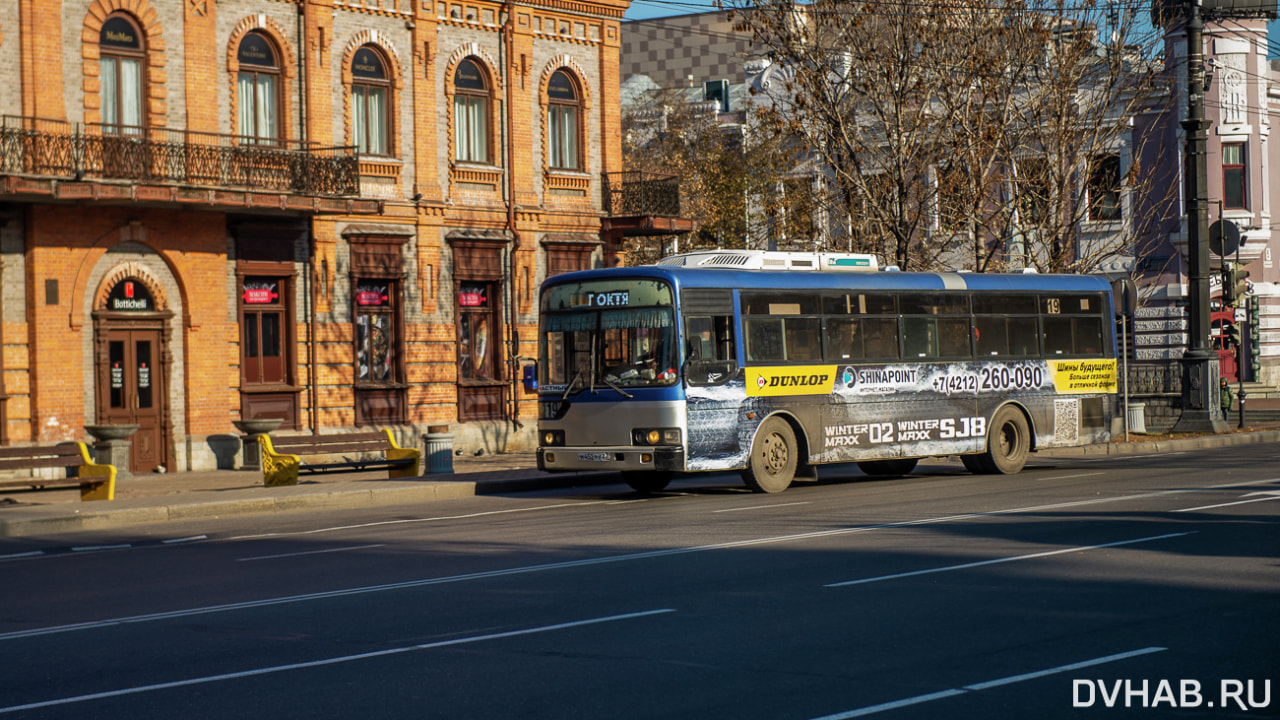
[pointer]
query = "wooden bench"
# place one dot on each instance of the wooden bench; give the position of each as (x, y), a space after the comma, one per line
(97, 482)
(282, 461)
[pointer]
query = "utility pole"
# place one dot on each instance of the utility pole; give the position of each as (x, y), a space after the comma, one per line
(1199, 364)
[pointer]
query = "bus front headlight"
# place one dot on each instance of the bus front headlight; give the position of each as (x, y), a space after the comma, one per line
(655, 436)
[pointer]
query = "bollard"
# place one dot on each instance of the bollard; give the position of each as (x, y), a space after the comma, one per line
(439, 442)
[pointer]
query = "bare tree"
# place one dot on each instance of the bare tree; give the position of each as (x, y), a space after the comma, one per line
(982, 135)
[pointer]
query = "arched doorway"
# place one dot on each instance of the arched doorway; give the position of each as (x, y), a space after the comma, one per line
(131, 364)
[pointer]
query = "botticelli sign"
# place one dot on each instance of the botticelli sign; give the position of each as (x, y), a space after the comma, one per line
(130, 296)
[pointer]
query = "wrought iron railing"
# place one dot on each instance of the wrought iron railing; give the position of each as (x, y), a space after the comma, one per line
(634, 193)
(35, 146)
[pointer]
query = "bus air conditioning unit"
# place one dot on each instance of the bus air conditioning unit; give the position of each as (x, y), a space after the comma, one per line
(774, 260)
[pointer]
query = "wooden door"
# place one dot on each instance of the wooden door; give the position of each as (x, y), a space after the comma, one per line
(136, 394)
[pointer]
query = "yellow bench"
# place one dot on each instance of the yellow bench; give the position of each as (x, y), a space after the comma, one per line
(282, 456)
(97, 482)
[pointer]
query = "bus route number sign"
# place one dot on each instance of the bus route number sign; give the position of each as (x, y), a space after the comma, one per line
(616, 298)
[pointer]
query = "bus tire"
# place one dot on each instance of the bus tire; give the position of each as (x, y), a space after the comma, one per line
(646, 481)
(888, 468)
(774, 457)
(1008, 442)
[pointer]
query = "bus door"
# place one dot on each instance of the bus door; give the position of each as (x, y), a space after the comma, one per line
(713, 398)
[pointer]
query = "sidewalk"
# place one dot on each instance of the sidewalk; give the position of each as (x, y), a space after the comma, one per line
(158, 498)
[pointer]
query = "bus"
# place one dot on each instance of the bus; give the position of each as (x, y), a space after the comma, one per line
(773, 363)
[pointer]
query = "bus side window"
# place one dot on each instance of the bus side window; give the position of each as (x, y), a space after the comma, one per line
(710, 352)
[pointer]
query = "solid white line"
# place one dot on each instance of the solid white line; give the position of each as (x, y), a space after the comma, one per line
(873, 709)
(1069, 477)
(997, 561)
(1238, 502)
(327, 661)
(425, 582)
(761, 507)
(310, 552)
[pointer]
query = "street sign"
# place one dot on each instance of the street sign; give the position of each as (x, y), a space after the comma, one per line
(1224, 238)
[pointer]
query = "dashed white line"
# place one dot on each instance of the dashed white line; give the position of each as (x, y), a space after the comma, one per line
(310, 552)
(997, 561)
(328, 661)
(98, 548)
(882, 707)
(761, 507)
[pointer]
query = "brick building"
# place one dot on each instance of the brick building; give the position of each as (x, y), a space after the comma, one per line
(335, 213)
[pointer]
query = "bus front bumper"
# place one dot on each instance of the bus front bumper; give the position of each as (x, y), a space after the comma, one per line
(570, 459)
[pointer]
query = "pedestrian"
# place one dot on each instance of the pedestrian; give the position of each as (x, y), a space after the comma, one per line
(1224, 392)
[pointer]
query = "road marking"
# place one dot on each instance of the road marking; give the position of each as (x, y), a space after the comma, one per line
(873, 709)
(998, 561)
(98, 548)
(410, 521)
(588, 562)
(1068, 477)
(193, 538)
(310, 552)
(329, 661)
(16, 556)
(1267, 495)
(761, 507)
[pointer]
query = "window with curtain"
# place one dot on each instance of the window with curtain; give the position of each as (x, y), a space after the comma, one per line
(258, 89)
(471, 113)
(563, 114)
(121, 68)
(370, 106)
(1234, 174)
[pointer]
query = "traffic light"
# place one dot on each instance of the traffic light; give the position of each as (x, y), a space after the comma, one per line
(1235, 283)
(1255, 333)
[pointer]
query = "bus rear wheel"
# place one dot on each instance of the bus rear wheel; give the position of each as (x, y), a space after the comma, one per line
(1008, 442)
(774, 457)
(645, 481)
(888, 468)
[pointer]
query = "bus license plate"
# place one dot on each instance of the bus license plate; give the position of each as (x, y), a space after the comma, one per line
(595, 457)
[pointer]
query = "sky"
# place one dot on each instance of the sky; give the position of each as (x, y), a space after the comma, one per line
(645, 9)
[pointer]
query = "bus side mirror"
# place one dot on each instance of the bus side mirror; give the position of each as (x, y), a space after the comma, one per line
(531, 378)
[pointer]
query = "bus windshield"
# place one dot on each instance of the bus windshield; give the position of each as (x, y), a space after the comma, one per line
(620, 336)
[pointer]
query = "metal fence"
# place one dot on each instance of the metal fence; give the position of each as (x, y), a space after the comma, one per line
(35, 146)
(642, 193)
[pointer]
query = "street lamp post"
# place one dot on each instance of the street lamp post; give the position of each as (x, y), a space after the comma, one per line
(1199, 371)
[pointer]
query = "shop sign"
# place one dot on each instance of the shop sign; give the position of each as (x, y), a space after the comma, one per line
(473, 296)
(129, 295)
(144, 376)
(260, 292)
(117, 377)
(371, 295)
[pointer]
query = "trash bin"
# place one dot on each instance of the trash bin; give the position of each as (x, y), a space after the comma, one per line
(1137, 417)
(439, 442)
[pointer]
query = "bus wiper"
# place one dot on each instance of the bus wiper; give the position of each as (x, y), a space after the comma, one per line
(624, 393)
(576, 377)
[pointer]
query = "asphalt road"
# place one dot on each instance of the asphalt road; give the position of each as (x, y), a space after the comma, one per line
(1135, 587)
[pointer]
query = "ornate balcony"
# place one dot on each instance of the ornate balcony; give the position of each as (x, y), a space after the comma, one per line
(118, 163)
(643, 203)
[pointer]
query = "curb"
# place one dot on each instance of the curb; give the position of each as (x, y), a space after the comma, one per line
(64, 518)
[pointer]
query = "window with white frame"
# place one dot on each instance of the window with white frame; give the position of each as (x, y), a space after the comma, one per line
(563, 122)
(258, 89)
(370, 102)
(471, 113)
(121, 64)
(1235, 195)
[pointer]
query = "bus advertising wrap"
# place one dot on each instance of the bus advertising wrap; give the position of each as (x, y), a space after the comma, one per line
(1065, 377)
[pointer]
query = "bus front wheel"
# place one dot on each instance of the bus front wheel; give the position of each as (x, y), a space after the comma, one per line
(1008, 442)
(774, 457)
(644, 481)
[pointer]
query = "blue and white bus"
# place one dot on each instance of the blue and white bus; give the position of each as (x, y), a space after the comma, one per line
(772, 363)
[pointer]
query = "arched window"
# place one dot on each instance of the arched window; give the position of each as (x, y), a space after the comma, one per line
(258, 87)
(121, 62)
(471, 113)
(563, 121)
(370, 102)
